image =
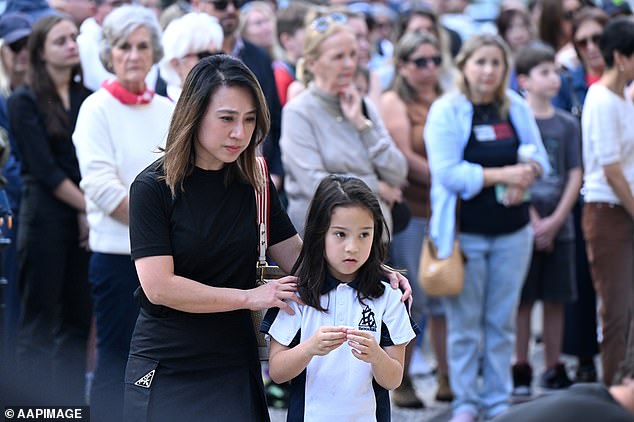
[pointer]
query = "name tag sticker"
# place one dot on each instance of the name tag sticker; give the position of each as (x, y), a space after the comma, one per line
(484, 133)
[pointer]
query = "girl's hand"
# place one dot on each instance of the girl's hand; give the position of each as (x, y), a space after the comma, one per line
(350, 101)
(325, 340)
(274, 294)
(364, 346)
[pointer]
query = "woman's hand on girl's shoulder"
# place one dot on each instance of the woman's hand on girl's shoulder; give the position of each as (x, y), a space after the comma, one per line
(398, 280)
(274, 294)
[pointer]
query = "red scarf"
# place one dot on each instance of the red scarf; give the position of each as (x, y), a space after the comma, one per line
(126, 97)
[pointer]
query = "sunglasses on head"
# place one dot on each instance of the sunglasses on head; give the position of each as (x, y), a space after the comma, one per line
(584, 42)
(222, 4)
(322, 23)
(18, 45)
(422, 62)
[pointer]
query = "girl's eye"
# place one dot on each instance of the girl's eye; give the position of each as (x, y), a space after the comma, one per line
(364, 235)
(226, 118)
(250, 119)
(340, 234)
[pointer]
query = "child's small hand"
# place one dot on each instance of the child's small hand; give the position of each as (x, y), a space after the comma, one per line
(325, 340)
(364, 345)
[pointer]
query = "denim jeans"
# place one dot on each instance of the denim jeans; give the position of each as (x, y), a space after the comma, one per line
(481, 320)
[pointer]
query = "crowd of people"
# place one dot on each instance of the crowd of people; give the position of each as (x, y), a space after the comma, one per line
(135, 128)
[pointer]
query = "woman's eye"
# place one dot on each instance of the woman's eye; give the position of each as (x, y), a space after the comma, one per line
(226, 118)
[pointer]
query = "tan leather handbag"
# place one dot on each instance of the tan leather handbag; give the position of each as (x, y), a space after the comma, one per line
(441, 277)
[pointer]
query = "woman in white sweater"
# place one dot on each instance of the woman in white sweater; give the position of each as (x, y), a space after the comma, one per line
(120, 130)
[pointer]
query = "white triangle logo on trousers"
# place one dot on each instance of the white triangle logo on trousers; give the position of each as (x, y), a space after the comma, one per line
(146, 380)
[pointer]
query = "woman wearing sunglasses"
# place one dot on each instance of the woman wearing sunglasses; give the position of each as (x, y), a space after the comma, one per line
(119, 131)
(580, 339)
(330, 128)
(186, 40)
(404, 109)
(607, 127)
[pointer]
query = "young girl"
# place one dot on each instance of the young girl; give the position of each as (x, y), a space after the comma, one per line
(345, 347)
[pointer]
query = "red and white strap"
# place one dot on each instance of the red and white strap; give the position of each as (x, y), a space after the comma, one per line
(262, 199)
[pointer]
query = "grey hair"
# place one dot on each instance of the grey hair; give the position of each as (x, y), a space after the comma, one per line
(118, 26)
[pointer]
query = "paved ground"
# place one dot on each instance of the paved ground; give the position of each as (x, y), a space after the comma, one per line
(426, 386)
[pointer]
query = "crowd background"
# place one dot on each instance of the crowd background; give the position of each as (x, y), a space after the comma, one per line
(72, 161)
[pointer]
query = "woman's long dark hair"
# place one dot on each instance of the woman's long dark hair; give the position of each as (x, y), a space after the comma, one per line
(48, 100)
(311, 267)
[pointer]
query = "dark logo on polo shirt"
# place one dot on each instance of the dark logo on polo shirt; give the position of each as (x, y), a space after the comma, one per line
(367, 323)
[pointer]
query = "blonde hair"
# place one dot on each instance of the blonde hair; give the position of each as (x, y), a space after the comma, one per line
(468, 49)
(313, 39)
(275, 51)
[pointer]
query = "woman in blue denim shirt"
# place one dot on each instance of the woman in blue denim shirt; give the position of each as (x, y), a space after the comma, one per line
(484, 147)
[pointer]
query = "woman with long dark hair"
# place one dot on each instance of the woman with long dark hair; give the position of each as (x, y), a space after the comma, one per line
(53, 239)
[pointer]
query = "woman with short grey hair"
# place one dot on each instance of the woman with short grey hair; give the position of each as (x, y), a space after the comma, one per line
(118, 27)
(119, 130)
(186, 40)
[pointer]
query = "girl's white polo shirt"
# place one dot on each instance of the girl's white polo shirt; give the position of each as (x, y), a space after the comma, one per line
(339, 386)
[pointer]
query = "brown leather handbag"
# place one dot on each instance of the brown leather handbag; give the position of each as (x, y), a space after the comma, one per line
(441, 277)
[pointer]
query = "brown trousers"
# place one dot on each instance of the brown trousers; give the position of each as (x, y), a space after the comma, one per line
(609, 233)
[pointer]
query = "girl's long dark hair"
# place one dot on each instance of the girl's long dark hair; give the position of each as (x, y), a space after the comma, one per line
(48, 100)
(311, 267)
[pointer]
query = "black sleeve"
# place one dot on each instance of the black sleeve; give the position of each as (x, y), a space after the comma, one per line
(281, 226)
(149, 219)
(32, 140)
